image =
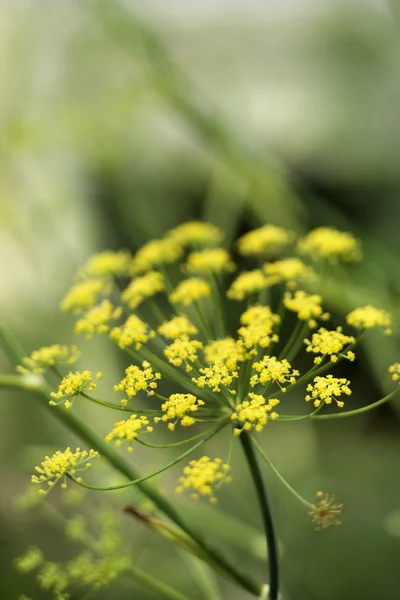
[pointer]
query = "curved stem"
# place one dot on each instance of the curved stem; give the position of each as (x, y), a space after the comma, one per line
(269, 528)
(175, 444)
(138, 411)
(359, 411)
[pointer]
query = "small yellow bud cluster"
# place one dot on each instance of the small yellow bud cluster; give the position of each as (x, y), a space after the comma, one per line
(133, 331)
(247, 283)
(176, 408)
(307, 306)
(268, 239)
(202, 476)
(214, 260)
(330, 244)
(326, 389)
(83, 295)
(154, 254)
(325, 513)
(258, 323)
(226, 351)
(395, 371)
(368, 317)
(289, 271)
(72, 385)
(189, 290)
(215, 376)
(137, 380)
(107, 264)
(142, 288)
(254, 413)
(62, 463)
(129, 430)
(177, 327)
(329, 343)
(269, 368)
(31, 560)
(48, 356)
(97, 319)
(183, 350)
(196, 233)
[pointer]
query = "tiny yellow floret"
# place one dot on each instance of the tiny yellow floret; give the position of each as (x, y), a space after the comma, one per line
(72, 385)
(183, 350)
(330, 244)
(177, 327)
(189, 290)
(247, 283)
(325, 389)
(97, 319)
(213, 260)
(133, 332)
(268, 239)
(60, 464)
(368, 317)
(202, 476)
(394, 370)
(48, 356)
(176, 408)
(129, 430)
(325, 513)
(254, 413)
(143, 287)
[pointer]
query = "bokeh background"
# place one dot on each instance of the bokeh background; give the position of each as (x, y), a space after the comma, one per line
(120, 120)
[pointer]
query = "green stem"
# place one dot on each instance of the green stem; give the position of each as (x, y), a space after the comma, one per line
(292, 339)
(359, 411)
(160, 588)
(174, 445)
(269, 528)
(122, 408)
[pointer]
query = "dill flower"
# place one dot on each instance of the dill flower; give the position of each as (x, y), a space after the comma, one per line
(326, 389)
(307, 306)
(97, 319)
(61, 464)
(213, 260)
(154, 254)
(325, 513)
(189, 290)
(329, 343)
(82, 295)
(202, 476)
(289, 271)
(269, 368)
(226, 351)
(177, 327)
(268, 239)
(395, 371)
(176, 408)
(129, 430)
(247, 283)
(330, 244)
(368, 317)
(183, 350)
(214, 376)
(195, 233)
(137, 380)
(254, 413)
(258, 323)
(133, 331)
(48, 356)
(143, 287)
(72, 385)
(107, 264)
(31, 560)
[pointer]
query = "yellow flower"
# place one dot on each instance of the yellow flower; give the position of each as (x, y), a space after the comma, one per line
(189, 290)
(226, 351)
(143, 287)
(83, 295)
(214, 260)
(107, 263)
(215, 376)
(326, 389)
(258, 323)
(202, 476)
(137, 380)
(368, 317)
(330, 244)
(329, 343)
(183, 350)
(195, 233)
(62, 463)
(155, 253)
(133, 331)
(97, 319)
(395, 371)
(47, 357)
(325, 512)
(72, 385)
(268, 239)
(176, 408)
(129, 430)
(307, 306)
(177, 327)
(269, 368)
(254, 413)
(31, 560)
(289, 271)
(247, 283)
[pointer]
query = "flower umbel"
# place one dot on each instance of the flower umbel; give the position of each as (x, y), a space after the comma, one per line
(177, 327)
(176, 408)
(97, 319)
(214, 260)
(325, 513)
(129, 430)
(137, 380)
(47, 357)
(254, 413)
(368, 317)
(202, 476)
(190, 290)
(329, 343)
(134, 332)
(268, 239)
(330, 244)
(394, 370)
(143, 287)
(326, 389)
(61, 464)
(269, 368)
(183, 350)
(72, 385)
(246, 284)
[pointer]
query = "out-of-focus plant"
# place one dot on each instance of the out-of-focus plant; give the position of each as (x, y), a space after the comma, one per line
(165, 307)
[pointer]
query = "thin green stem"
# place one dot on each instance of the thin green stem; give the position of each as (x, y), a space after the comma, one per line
(175, 444)
(292, 339)
(268, 523)
(138, 411)
(158, 587)
(359, 411)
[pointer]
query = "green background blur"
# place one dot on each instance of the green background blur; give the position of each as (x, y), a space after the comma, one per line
(119, 121)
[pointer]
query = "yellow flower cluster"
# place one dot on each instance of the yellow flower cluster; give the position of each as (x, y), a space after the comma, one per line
(61, 463)
(326, 389)
(83, 295)
(325, 513)
(97, 319)
(268, 239)
(183, 350)
(394, 370)
(107, 264)
(142, 288)
(138, 380)
(213, 260)
(189, 290)
(154, 254)
(269, 368)
(368, 317)
(195, 233)
(254, 413)
(129, 430)
(307, 306)
(133, 331)
(258, 323)
(226, 351)
(177, 327)
(247, 283)
(202, 476)
(330, 244)
(176, 408)
(32, 559)
(72, 385)
(214, 376)
(47, 357)
(329, 343)
(289, 271)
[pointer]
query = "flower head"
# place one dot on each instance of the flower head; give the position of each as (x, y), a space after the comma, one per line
(254, 413)
(129, 430)
(325, 513)
(61, 464)
(394, 370)
(307, 306)
(196, 233)
(213, 260)
(258, 324)
(133, 332)
(368, 317)
(329, 343)
(202, 476)
(269, 368)
(138, 380)
(247, 283)
(143, 287)
(48, 356)
(189, 290)
(177, 407)
(268, 239)
(107, 263)
(289, 271)
(183, 350)
(154, 254)
(83, 295)
(226, 351)
(97, 319)
(330, 244)
(326, 389)
(72, 385)
(177, 327)
(215, 376)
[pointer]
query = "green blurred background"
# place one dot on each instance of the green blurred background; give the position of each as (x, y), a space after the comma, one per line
(121, 120)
